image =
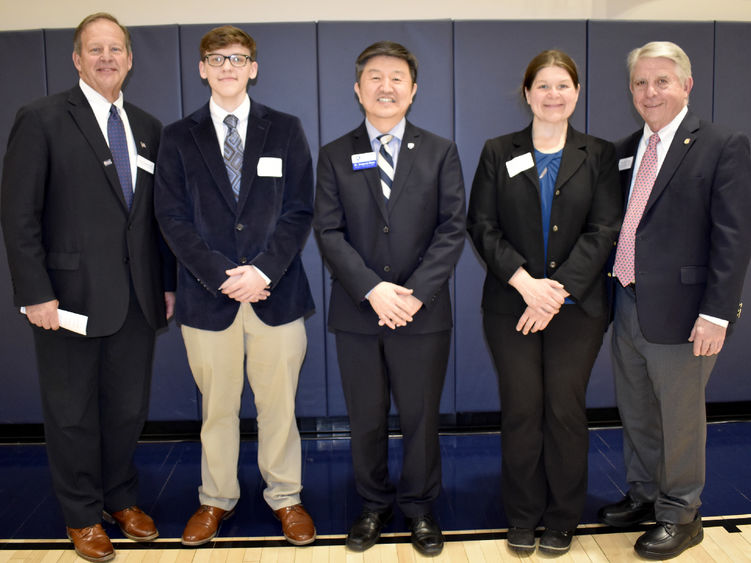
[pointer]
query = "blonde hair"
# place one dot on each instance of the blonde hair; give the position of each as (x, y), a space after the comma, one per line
(664, 49)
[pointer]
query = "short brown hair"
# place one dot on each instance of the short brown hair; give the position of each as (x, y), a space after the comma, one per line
(224, 36)
(91, 19)
(551, 57)
(386, 49)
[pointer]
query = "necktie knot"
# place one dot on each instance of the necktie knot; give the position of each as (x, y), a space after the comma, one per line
(385, 139)
(653, 140)
(230, 121)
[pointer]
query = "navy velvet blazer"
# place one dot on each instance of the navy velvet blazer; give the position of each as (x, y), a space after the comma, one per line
(694, 239)
(210, 232)
(415, 240)
(505, 223)
(68, 231)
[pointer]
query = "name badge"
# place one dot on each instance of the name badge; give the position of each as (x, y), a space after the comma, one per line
(625, 163)
(364, 160)
(270, 167)
(519, 164)
(145, 164)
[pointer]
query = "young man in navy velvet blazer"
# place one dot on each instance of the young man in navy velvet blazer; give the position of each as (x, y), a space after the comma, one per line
(391, 254)
(234, 198)
(680, 266)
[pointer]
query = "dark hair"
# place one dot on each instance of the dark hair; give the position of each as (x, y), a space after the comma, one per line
(551, 57)
(91, 19)
(224, 36)
(386, 49)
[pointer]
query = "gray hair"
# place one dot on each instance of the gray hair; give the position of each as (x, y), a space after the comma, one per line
(664, 49)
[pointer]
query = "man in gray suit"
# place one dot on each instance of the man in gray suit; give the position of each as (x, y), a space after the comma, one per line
(680, 264)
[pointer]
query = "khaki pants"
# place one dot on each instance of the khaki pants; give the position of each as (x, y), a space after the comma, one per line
(273, 356)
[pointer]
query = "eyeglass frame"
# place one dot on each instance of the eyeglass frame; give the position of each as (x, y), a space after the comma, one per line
(226, 58)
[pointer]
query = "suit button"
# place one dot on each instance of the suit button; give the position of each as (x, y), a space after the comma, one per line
(387, 268)
(243, 260)
(552, 264)
(239, 227)
(386, 229)
(555, 228)
(557, 192)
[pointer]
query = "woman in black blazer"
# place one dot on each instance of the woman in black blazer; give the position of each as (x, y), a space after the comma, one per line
(544, 213)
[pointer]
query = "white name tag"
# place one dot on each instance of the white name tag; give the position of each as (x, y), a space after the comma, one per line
(364, 160)
(270, 167)
(145, 164)
(519, 164)
(625, 163)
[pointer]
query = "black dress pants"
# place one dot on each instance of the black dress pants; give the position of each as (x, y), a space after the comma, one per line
(543, 379)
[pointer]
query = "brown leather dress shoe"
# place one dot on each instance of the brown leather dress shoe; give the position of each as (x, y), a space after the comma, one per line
(92, 543)
(204, 525)
(134, 523)
(297, 524)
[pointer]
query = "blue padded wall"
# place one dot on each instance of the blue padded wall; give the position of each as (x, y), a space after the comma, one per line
(468, 89)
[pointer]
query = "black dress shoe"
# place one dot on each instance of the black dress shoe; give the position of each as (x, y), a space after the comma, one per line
(556, 542)
(521, 540)
(666, 540)
(426, 535)
(367, 529)
(627, 513)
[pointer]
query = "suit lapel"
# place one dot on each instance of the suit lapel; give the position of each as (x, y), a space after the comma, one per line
(255, 139)
(574, 154)
(144, 150)
(522, 141)
(682, 143)
(204, 135)
(81, 112)
(408, 152)
(361, 144)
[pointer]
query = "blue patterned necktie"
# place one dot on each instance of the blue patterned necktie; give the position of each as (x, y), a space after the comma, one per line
(385, 165)
(119, 149)
(233, 154)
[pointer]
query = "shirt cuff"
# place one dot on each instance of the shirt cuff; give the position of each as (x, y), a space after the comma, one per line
(266, 278)
(722, 322)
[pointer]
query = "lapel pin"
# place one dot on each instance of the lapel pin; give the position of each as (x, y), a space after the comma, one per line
(410, 146)
(687, 140)
(143, 145)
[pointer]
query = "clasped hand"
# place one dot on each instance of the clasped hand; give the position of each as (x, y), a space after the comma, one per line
(395, 305)
(245, 284)
(543, 297)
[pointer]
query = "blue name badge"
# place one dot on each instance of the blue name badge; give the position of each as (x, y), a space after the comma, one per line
(364, 160)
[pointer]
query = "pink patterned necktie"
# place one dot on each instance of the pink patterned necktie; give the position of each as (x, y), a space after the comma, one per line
(623, 268)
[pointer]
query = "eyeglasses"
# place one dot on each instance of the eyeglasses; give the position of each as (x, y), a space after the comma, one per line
(215, 59)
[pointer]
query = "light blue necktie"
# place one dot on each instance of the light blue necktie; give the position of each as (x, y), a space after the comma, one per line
(233, 154)
(119, 149)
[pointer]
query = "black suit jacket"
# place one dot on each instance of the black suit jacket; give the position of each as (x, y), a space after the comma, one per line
(415, 240)
(210, 232)
(68, 231)
(505, 222)
(693, 242)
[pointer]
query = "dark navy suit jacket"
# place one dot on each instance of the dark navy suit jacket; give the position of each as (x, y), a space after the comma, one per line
(693, 242)
(210, 232)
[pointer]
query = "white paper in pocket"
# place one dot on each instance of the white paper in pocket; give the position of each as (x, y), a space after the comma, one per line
(270, 167)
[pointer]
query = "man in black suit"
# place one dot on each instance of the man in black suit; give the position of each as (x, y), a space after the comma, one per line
(80, 232)
(680, 264)
(389, 217)
(234, 198)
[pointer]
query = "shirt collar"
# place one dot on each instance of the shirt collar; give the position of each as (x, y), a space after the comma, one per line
(397, 131)
(98, 102)
(668, 132)
(241, 112)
